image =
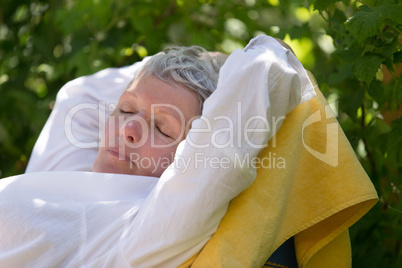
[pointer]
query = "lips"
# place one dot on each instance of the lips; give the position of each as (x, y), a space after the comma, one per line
(115, 152)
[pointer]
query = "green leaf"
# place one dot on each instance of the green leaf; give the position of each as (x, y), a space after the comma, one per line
(365, 22)
(367, 67)
(376, 91)
(388, 36)
(389, 63)
(381, 126)
(344, 72)
(338, 17)
(322, 5)
(393, 12)
(387, 52)
(398, 57)
(351, 101)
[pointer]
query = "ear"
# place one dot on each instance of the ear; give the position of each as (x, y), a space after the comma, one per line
(218, 58)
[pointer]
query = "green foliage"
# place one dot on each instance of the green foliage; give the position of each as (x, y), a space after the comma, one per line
(365, 23)
(365, 73)
(367, 67)
(352, 47)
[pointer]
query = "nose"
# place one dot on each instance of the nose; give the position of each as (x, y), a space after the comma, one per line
(134, 130)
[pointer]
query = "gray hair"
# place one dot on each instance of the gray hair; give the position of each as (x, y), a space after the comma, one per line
(191, 67)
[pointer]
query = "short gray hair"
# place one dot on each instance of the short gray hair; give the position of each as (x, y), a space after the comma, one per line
(192, 67)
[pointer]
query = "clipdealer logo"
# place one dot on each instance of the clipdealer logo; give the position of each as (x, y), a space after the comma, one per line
(330, 156)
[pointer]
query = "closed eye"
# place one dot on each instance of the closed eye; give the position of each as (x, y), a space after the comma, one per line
(163, 133)
(124, 112)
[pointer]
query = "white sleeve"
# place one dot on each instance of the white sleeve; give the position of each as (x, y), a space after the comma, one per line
(69, 140)
(214, 164)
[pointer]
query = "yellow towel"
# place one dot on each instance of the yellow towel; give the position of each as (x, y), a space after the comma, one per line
(312, 187)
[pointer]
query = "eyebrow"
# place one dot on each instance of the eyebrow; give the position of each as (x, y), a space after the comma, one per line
(169, 112)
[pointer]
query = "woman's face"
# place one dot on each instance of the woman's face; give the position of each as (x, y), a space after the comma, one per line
(142, 134)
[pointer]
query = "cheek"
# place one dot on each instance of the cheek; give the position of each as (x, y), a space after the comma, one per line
(164, 146)
(164, 153)
(162, 159)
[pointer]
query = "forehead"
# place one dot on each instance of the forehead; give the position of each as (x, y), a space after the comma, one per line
(151, 90)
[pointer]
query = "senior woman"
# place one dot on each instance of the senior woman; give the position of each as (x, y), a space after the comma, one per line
(155, 113)
(104, 219)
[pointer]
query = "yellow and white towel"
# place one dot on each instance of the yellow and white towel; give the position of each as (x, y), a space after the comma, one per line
(320, 193)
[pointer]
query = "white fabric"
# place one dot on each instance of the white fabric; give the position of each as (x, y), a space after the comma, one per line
(78, 219)
(65, 219)
(81, 109)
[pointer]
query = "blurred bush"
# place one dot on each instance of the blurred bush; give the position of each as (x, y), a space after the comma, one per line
(352, 47)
